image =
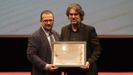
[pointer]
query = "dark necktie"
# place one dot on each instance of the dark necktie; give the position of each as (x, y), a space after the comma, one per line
(51, 39)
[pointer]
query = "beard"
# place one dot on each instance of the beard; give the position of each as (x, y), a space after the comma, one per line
(75, 22)
(48, 27)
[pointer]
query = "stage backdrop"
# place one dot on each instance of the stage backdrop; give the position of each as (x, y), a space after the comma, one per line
(107, 16)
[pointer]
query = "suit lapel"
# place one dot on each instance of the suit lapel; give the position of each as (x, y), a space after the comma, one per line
(55, 36)
(66, 33)
(44, 37)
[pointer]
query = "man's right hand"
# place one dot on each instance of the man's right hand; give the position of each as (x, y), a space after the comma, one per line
(52, 67)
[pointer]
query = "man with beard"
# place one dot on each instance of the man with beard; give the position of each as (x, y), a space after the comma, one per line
(39, 50)
(78, 31)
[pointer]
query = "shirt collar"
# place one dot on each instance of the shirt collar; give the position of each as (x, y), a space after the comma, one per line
(46, 32)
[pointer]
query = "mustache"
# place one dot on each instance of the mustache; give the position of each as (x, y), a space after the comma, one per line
(73, 19)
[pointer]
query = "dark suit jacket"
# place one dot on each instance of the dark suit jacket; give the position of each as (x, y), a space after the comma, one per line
(39, 52)
(87, 33)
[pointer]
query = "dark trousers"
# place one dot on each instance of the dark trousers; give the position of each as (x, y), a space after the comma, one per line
(79, 71)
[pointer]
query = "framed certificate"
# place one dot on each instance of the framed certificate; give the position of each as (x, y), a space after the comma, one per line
(69, 54)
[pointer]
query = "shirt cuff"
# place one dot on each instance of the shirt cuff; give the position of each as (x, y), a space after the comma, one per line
(46, 67)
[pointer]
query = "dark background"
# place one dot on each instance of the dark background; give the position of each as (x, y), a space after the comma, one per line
(117, 55)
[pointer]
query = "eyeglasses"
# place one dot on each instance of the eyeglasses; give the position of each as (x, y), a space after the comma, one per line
(45, 21)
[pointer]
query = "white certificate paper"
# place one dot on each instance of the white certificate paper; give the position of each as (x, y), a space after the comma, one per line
(69, 54)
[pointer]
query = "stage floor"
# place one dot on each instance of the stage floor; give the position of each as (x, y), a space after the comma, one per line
(100, 73)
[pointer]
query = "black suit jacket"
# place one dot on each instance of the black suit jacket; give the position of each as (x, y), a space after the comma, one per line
(39, 52)
(87, 33)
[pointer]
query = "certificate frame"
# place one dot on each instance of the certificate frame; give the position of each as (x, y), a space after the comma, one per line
(69, 53)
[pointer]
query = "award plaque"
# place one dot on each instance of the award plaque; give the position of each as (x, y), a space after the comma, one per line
(69, 54)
